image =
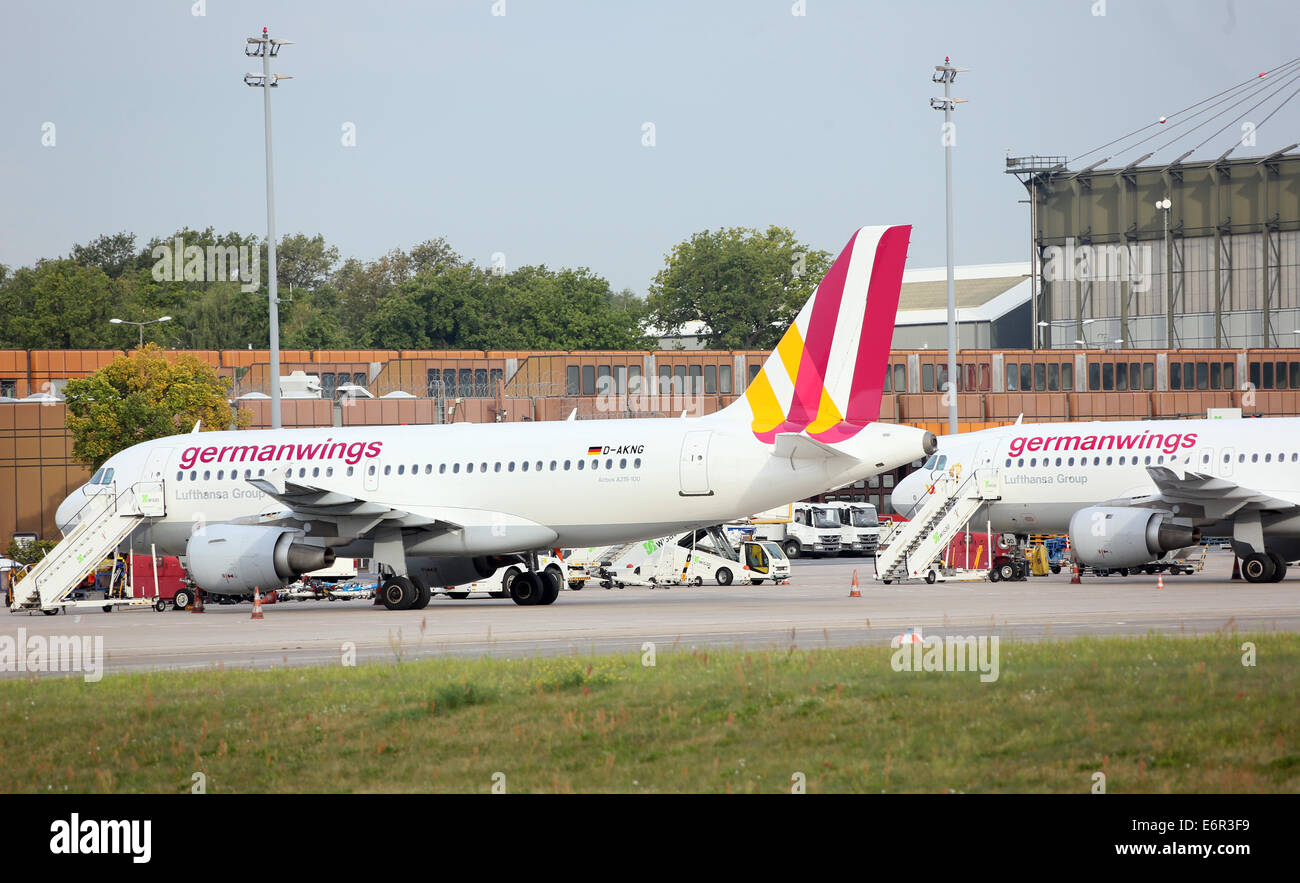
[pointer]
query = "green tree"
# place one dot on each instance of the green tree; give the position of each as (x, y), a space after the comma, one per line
(144, 396)
(304, 262)
(746, 285)
(114, 253)
(60, 305)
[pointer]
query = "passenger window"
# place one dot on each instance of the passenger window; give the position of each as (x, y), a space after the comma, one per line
(582, 465)
(350, 468)
(455, 469)
(315, 472)
(206, 474)
(510, 467)
(469, 467)
(552, 465)
(180, 476)
(595, 464)
(401, 470)
(442, 468)
(388, 470)
(635, 463)
(622, 464)
(497, 467)
(566, 465)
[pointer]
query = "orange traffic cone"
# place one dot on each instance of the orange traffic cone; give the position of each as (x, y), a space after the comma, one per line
(257, 604)
(1160, 581)
(1074, 580)
(1236, 567)
(197, 607)
(854, 592)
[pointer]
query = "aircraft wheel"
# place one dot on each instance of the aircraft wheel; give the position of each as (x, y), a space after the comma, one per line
(723, 576)
(551, 582)
(1257, 567)
(526, 589)
(1279, 567)
(422, 595)
(399, 593)
(1123, 571)
(1006, 571)
(182, 599)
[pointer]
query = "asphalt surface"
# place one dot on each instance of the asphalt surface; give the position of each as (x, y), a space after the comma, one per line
(815, 610)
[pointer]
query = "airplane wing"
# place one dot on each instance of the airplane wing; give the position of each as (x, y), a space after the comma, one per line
(447, 530)
(1197, 494)
(354, 517)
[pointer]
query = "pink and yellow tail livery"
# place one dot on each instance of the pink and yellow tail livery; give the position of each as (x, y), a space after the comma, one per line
(826, 376)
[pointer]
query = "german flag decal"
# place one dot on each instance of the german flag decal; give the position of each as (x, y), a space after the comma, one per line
(594, 449)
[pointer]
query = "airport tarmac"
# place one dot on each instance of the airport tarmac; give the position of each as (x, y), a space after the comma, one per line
(815, 610)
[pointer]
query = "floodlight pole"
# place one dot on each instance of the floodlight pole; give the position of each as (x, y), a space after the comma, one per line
(945, 73)
(266, 48)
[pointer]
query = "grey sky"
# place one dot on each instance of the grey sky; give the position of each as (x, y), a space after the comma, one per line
(523, 134)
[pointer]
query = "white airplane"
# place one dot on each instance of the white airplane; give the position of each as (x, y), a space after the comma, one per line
(1130, 492)
(447, 505)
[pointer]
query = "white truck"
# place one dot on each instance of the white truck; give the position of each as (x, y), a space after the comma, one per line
(800, 529)
(860, 531)
(689, 559)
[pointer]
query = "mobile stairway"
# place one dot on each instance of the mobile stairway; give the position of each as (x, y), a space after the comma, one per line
(915, 545)
(102, 524)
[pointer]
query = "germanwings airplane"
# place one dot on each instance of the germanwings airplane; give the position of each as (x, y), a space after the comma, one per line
(445, 505)
(1128, 493)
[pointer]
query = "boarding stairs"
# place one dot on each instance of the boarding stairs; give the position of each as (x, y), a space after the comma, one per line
(101, 525)
(914, 545)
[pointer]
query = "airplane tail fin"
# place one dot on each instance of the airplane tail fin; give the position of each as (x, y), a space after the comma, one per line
(826, 375)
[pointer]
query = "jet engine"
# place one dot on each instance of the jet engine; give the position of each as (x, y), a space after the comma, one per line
(234, 559)
(1115, 536)
(439, 572)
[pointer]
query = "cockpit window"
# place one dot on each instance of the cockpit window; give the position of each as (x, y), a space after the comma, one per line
(94, 479)
(929, 464)
(943, 462)
(108, 477)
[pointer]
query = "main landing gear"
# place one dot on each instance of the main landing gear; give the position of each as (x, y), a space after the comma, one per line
(404, 593)
(1263, 567)
(532, 588)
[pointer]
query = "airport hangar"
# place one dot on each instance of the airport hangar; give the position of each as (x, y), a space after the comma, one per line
(1032, 340)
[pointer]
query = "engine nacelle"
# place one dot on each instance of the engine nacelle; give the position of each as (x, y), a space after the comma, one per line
(1117, 536)
(234, 559)
(439, 572)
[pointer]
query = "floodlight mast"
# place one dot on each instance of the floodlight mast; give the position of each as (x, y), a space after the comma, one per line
(266, 48)
(946, 73)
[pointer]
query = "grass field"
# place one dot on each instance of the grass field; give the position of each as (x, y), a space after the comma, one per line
(1154, 714)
